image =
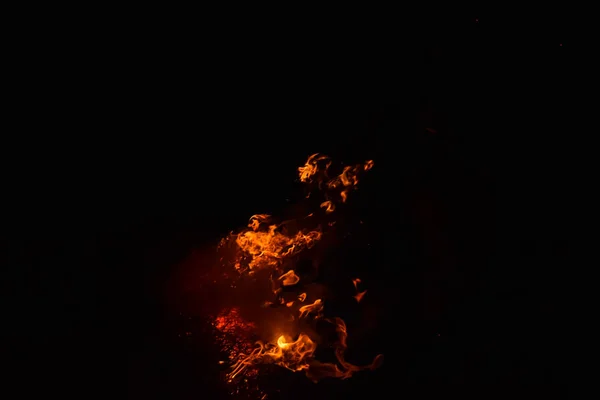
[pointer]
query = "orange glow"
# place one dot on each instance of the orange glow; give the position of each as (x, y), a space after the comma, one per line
(233, 333)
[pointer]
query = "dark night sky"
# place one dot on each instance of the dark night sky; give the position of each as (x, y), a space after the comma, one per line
(157, 145)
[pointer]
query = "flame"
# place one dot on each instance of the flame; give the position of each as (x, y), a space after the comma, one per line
(289, 278)
(314, 308)
(328, 206)
(298, 356)
(359, 296)
(290, 355)
(316, 169)
(266, 245)
(315, 164)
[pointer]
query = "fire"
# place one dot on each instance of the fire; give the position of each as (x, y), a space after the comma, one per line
(289, 278)
(268, 245)
(274, 246)
(315, 164)
(314, 308)
(328, 206)
(359, 295)
(316, 169)
(298, 356)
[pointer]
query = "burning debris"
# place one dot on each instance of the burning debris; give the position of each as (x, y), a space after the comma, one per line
(269, 251)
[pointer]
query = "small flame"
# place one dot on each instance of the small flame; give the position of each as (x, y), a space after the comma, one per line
(316, 169)
(314, 308)
(315, 164)
(268, 245)
(359, 296)
(328, 206)
(289, 278)
(302, 297)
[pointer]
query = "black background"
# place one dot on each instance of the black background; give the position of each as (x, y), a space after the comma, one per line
(132, 149)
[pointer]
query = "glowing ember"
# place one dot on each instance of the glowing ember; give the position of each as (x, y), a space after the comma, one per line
(234, 333)
(274, 247)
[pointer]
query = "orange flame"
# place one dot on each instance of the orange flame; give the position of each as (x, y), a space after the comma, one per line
(266, 245)
(359, 296)
(290, 355)
(289, 278)
(328, 206)
(316, 169)
(314, 308)
(298, 356)
(315, 164)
